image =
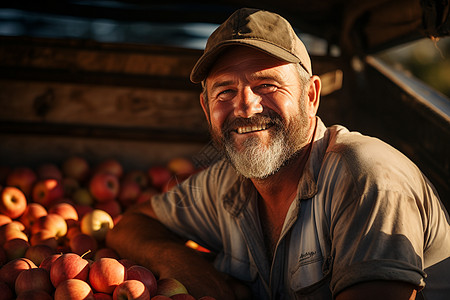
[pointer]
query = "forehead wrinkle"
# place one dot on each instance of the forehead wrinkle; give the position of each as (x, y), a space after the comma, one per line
(267, 75)
(219, 84)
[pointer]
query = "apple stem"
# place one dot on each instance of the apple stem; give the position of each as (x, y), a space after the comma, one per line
(86, 253)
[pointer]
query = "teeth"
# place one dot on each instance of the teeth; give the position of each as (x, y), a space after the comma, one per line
(251, 128)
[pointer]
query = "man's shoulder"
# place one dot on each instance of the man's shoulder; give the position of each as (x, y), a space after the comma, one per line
(369, 159)
(354, 146)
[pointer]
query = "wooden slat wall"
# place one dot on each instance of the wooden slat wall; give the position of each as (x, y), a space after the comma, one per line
(131, 102)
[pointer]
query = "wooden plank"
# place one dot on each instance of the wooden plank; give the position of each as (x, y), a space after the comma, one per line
(88, 56)
(127, 107)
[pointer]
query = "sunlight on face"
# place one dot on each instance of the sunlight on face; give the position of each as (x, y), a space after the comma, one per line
(257, 142)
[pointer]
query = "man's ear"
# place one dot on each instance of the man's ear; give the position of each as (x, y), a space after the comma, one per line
(315, 86)
(204, 106)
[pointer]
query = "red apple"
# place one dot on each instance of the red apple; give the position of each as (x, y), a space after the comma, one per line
(67, 211)
(143, 274)
(106, 274)
(159, 176)
(44, 237)
(128, 193)
(102, 296)
(69, 266)
(48, 261)
(106, 252)
(83, 244)
(169, 287)
(182, 297)
(113, 207)
(49, 171)
(13, 225)
(127, 262)
(6, 292)
(22, 178)
(33, 279)
(76, 167)
(82, 210)
(96, 223)
(12, 202)
(72, 231)
(46, 191)
(4, 219)
(137, 176)
(111, 166)
(160, 297)
(147, 194)
(53, 222)
(38, 253)
(3, 258)
(13, 230)
(12, 269)
(34, 295)
(33, 212)
(131, 290)
(15, 248)
(104, 187)
(74, 289)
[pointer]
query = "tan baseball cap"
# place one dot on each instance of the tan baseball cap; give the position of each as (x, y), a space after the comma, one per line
(262, 30)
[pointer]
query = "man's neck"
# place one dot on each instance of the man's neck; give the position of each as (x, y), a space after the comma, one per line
(283, 184)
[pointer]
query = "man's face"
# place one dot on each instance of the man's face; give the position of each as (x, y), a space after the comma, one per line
(257, 111)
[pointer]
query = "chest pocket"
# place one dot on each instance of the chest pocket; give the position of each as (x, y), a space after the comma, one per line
(309, 261)
(242, 269)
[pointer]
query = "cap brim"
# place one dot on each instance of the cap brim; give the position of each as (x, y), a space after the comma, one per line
(204, 64)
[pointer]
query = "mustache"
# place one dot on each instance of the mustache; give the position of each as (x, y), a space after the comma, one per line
(270, 117)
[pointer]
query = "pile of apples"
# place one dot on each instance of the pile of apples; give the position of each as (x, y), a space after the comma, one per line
(53, 224)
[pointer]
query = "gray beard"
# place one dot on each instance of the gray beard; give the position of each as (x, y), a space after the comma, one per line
(257, 160)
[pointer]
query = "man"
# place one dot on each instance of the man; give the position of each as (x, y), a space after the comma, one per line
(296, 210)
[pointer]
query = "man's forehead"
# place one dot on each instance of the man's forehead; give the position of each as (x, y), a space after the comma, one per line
(246, 60)
(228, 75)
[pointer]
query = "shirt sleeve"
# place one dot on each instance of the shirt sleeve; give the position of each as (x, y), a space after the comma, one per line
(191, 208)
(377, 215)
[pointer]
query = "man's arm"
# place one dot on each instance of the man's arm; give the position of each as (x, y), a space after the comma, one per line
(139, 236)
(385, 290)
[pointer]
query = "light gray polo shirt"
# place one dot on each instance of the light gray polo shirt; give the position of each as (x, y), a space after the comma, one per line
(363, 212)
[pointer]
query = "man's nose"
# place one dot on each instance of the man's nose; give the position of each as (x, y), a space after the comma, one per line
(247, 104)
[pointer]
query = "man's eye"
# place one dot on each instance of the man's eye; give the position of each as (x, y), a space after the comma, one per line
(225, 94)
(266, 88)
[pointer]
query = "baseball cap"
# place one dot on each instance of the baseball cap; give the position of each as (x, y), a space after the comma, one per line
(259, 29)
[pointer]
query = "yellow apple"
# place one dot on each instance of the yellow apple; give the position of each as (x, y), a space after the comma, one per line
(96, 223)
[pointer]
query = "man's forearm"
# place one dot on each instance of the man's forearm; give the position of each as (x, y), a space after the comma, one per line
(147, 242)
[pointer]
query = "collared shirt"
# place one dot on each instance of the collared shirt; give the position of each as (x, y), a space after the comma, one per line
(363, 212)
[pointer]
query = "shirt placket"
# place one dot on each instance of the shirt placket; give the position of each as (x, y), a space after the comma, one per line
(277, 270)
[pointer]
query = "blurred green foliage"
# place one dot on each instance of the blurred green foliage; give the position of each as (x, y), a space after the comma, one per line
(428, 60)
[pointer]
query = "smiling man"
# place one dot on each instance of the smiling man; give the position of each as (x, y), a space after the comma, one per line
(295, 210)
